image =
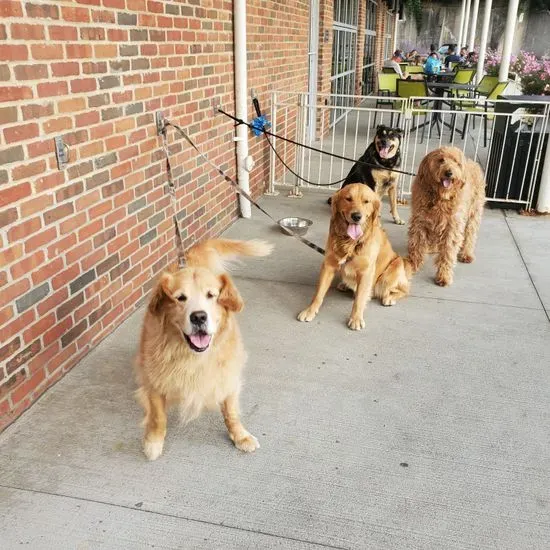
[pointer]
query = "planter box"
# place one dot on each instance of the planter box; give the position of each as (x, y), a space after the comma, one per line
(515, 148)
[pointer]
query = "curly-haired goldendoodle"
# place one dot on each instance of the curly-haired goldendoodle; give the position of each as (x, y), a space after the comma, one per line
(448, 194)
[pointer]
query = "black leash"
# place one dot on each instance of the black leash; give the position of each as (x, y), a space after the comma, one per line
(231, 182)
(239, 121)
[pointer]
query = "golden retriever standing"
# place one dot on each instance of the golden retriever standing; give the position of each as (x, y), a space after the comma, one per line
(191, 351)
(358, 247)
(448, 194)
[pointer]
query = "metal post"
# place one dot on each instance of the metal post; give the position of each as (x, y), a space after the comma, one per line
(466, 23)
(483, 44)
(396, 15)
(508, 40)
(543, 201)
(241, 101)
(472, 39)
(461, 27)
(272, 158)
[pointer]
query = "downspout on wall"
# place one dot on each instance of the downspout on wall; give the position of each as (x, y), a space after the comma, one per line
(244, 163)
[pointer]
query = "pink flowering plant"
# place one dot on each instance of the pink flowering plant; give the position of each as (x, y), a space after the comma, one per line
(492, 62)
(533, 73)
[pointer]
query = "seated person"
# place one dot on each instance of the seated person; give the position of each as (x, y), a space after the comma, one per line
(433, 50)
(471, 60)
(411, 56)
(432, 65)
(452, 57)
(394, 64)
(464, 52)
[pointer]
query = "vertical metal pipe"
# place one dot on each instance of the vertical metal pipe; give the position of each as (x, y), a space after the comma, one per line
(241, 101)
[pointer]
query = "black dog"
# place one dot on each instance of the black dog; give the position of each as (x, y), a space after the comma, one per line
(374, 167)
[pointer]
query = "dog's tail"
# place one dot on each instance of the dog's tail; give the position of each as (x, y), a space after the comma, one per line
(216, 253)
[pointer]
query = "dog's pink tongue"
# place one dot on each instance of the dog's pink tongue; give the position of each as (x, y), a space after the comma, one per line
(446, 183)
(200, 340)
(384, 152)
(354, 231)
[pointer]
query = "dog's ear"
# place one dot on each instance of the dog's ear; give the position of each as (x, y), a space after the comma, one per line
(380, 127)
(229, 297)
(334, 203)
(160, 293)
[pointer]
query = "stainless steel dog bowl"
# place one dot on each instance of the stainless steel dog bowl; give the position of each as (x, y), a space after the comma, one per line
(298, 225)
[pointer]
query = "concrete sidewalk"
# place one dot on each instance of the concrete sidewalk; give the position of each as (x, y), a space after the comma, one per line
(429, 429)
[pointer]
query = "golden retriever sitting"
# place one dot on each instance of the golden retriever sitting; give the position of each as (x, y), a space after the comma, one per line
(448, 194)
(191, 352)
(358, 247)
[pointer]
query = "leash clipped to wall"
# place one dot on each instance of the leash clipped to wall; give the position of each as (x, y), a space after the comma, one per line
(162, 126)
(161, 129)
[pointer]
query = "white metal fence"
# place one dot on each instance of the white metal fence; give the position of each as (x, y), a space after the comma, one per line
(508, 138)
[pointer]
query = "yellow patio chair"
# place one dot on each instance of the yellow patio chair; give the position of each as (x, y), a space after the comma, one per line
(414, 88)
(486, 86)
(386, 87)
(415, 69)
(486, 110)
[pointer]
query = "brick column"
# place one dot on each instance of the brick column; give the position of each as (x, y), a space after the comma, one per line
(380, 38)
(326, 12)
(360, 45)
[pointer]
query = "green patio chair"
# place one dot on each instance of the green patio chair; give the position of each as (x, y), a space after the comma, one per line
(414, 88)
(415, 69)
(486, 86)
(484, 110)
(463, 76)
(388, 70)
(386, 87)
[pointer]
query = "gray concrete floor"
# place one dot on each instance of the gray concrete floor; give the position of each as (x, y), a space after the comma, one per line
(427, 430)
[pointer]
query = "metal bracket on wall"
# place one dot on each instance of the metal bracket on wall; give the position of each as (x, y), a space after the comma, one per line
(159, 121)
(61, 152)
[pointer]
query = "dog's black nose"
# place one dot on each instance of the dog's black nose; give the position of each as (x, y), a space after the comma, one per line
(198, 317)
(356, 217)
(449, 173)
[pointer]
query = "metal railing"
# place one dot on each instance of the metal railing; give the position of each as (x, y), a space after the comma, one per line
(506, 137)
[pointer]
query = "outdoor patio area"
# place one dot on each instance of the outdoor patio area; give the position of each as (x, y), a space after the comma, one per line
(429, 429)
(506, 140)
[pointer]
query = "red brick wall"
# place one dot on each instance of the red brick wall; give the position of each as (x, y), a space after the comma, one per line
(278, 35)
(80, 247)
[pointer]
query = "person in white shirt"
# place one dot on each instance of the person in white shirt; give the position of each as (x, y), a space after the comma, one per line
(393, 63)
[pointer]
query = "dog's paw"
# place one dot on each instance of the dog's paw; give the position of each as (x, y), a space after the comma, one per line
(356, 323)
(398, 221)
(343, 287)
(247, 444)
(307, 315)
(443, 280)
(466, 258)
(388, 301)
(153, 449)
